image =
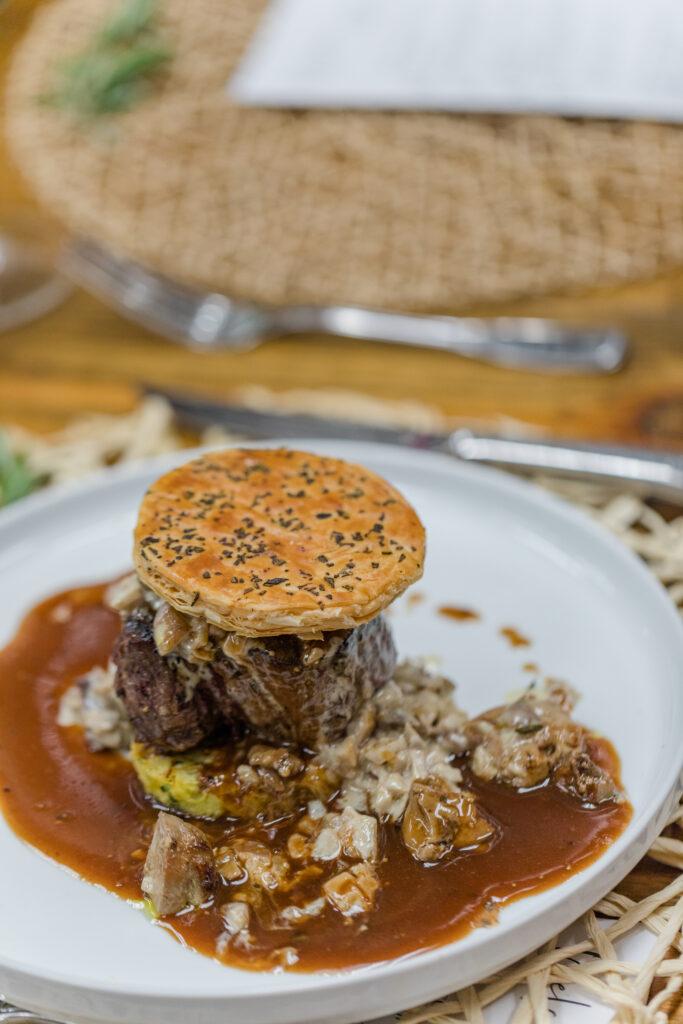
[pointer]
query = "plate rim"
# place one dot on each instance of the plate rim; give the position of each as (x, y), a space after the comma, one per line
(626, 850)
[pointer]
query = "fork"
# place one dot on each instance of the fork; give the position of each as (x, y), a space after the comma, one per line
(214, 321)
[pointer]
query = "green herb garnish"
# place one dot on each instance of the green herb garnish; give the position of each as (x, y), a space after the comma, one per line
(16, 479)
(135, 17)
(114, 72)
(529, 727)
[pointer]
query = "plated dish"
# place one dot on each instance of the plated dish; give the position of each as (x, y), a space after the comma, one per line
(244, 737)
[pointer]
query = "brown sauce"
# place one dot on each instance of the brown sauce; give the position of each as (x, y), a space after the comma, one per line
(530, 666)
(514, 637)
(87, 811)
(449, 611)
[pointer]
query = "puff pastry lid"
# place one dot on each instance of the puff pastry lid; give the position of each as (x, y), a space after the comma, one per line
(263, 542)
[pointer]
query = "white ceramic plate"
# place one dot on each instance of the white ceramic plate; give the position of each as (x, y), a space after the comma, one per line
(597, 619)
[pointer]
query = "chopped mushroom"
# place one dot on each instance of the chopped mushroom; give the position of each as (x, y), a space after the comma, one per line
(170, 628)
(438, 820)
(353, 892)
(522, 742)
(298, 846)
(316, 810)
(229, 867)
(236, 917)
(561, 693)
(297, 915)
(279, 759)
(327, 845)
(526, 742)
(508, 757)
(92, 703)
(353, 834)
(409, 730)
(265, 869)
(358, 833)
(286, 956)
(180, 870)
(584, 778)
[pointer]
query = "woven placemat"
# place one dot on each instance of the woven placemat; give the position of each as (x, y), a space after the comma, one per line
(402, 210)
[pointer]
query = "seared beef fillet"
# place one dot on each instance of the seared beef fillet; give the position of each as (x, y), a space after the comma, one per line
(166, 700)
(286, 689)
(304, 691)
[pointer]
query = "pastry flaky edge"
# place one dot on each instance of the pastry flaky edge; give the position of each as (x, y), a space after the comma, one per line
(264, 542)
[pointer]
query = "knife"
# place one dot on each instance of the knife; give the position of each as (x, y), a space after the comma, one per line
(649, 471)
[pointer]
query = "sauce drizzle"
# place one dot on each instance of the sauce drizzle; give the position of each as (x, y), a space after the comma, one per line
(514, 637)
(450, 611)
(87, 811)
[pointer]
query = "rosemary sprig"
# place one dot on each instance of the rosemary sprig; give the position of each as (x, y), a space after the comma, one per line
(135, 17)
(114, 71)
(16, 479)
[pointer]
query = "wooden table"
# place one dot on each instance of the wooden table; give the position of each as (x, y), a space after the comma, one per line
(84, 357)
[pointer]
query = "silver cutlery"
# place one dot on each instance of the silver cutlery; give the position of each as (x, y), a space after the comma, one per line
(213, 321)
(13, 1015)
(657, 473)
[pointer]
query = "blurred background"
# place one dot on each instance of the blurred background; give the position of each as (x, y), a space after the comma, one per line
(343, 161)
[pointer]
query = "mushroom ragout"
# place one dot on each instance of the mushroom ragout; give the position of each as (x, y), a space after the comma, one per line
(285, 792)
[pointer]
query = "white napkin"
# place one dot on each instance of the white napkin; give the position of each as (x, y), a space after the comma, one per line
(616, 58)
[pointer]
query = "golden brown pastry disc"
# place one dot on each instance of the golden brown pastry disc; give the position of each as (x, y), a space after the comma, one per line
(269, 541)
